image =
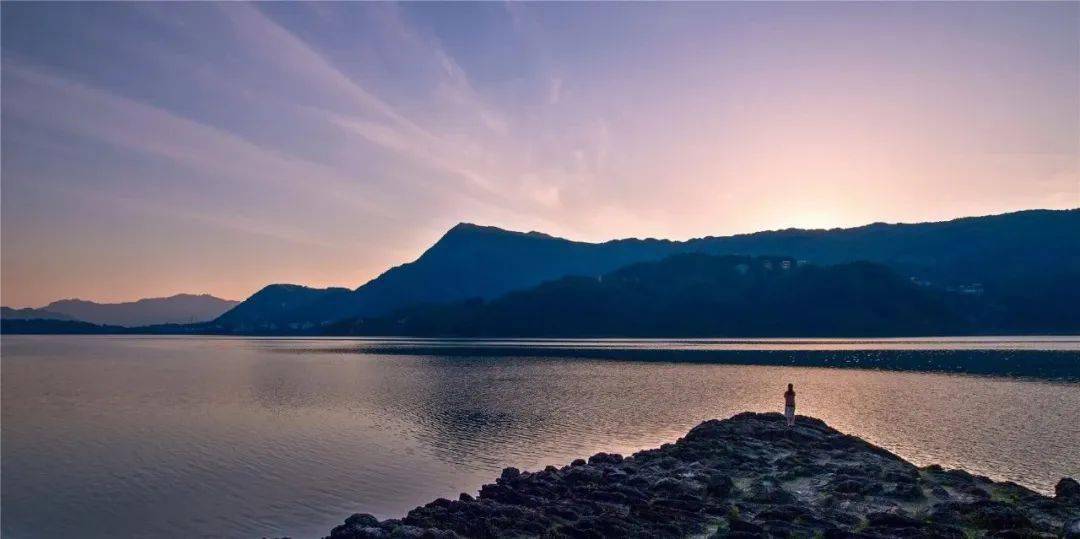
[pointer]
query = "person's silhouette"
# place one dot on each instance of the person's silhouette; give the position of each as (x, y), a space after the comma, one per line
(789, 405)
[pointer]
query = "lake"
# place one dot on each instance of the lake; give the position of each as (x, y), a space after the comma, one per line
(235, 437)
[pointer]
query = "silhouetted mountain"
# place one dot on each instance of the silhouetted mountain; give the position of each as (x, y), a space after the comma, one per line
(478, 261)
(684, 295)
(7, 313)
(986, 250)
(285, 307)
(999, 256)
(178, 309)
(468, 261)
(693, 295)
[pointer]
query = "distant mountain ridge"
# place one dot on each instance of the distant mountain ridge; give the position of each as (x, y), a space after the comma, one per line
(1025, 258)
(683, 295)
(177, 309)
(1023, 269)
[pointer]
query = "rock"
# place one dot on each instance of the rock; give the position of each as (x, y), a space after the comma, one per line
(892, 520)
(740, 525)
(843, 485)
(974, 491)
(755, 477)
(503, 494)
(673, 485)
(781, 528)
(605, 458)
(1071, 529)
(1019, 534)
(669, 463)
(440, 503)
(359, 526)
(959, 477)
(782, 512)
(414, 532)
(719, 485)
(363, 520)
(509, 474)
(1067, 490)
(769, 492)
(906, 491)
(583, 474)
(370, 533)
(900, 476)
(995, 516)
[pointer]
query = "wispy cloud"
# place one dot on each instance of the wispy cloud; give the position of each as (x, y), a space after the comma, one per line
(491, 168)
(38, 95)
(374, 126)
(260, 34)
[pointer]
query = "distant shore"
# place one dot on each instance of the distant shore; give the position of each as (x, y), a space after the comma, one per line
(1055, 364)
(34, 326)
(746, 476)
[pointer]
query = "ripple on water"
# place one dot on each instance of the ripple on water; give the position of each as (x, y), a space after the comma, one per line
(239, 437)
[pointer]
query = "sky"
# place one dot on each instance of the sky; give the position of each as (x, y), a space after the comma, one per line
(150, 149)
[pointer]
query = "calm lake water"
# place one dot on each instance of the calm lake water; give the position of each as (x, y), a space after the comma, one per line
(230, 437)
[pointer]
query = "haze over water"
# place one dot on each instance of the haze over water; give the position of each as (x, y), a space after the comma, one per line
(119, 436)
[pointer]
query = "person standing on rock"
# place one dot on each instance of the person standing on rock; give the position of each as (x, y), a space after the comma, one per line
(789, 405)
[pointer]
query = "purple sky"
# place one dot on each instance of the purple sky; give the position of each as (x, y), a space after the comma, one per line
(151, 149)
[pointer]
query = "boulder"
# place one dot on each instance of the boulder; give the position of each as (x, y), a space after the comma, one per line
(995, 516)
(1071, 529)
(605, 458)
(719, 485)
(751, 475)
(1067, 490)
(509, 474)
(359, 526)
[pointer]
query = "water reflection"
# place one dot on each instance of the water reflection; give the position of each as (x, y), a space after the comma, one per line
(1051, 358)
(250, 437)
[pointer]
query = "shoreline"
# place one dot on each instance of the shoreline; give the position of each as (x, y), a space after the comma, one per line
(745, 476)
(1049, 363)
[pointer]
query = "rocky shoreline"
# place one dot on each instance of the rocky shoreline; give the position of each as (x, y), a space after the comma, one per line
(746, 476)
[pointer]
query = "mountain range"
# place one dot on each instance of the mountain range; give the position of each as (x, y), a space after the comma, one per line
(693, 295)
(1027, 261)
(177, 309)
(1010, 273)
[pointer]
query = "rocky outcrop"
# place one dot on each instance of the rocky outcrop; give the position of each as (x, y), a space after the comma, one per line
(747, 476)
